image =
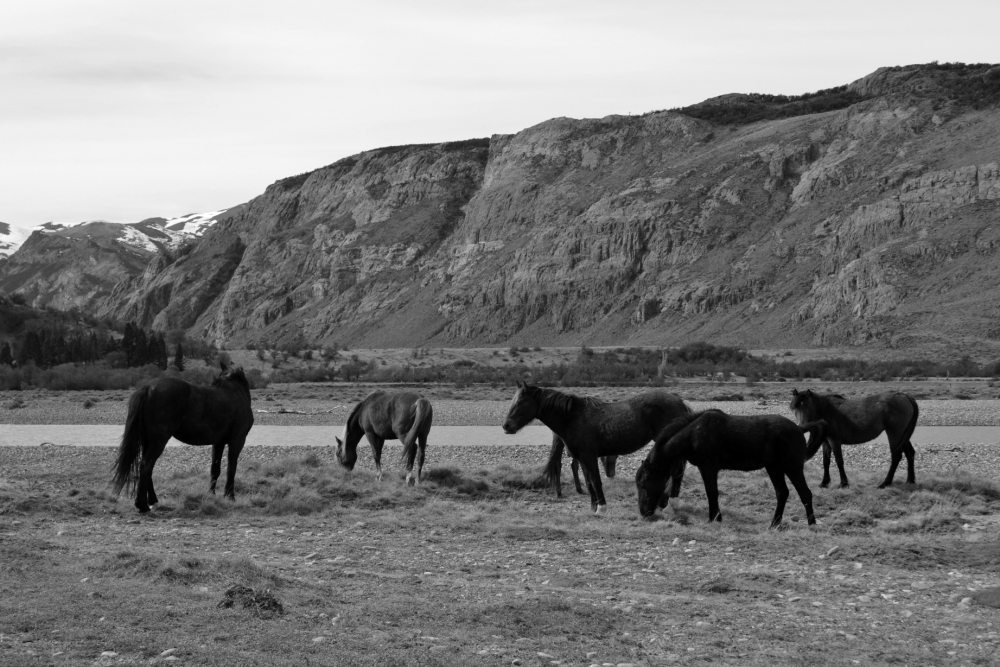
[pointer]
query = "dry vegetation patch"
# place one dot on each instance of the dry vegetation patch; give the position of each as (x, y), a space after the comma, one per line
(482, 566)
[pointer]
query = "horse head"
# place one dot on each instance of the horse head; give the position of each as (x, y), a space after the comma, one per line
(803, 405)
(523, 408)
(650, 487)
(231, 373)
(346, 457)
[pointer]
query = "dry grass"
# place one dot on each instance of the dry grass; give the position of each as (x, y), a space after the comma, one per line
(315, 565)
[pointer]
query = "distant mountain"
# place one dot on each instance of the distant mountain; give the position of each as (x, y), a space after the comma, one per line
(67, 265)
(867, 215)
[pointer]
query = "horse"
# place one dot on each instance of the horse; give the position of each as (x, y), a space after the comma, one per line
(858, 420)
(714, 441)
(382, 416)
(196, 415)
(555, 465)
(592, 428)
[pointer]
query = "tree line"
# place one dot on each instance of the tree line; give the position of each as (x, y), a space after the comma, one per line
(49, 345)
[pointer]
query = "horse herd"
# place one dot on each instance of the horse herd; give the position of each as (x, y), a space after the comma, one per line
(589, 428)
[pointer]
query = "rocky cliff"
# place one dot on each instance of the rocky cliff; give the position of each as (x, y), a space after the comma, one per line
(874, 224)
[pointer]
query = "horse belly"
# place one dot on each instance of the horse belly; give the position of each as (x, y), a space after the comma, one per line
(199, 433)
(619, 437)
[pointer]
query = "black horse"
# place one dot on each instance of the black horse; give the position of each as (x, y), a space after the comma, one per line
(858, 420)
(592, 428)
(714, 441)
(381, 416)
(217, 415)
(553, 469)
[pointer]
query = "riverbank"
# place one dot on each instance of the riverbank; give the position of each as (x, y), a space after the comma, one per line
(955, 403)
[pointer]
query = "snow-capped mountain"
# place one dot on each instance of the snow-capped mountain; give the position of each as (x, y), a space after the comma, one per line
(148, 234)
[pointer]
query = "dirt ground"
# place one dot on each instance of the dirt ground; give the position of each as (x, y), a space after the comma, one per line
(481, 566)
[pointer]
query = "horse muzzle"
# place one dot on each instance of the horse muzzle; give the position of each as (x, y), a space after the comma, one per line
(509, 428)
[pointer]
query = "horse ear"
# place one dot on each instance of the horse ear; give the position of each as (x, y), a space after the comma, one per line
(520, 384)
(795, 392)
(339, 441)
(222, 364)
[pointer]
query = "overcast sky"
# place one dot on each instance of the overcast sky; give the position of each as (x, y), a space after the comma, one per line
(122, 110)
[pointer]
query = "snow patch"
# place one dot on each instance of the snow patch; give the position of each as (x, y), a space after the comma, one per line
(11, 238)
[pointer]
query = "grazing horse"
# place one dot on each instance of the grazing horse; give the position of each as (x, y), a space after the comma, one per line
(592, 428)
(217, 415)
(553, 468)
(714, 441)
(858, 420)
(381, 416)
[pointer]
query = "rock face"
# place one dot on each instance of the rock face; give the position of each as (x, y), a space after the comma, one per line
(875, 224)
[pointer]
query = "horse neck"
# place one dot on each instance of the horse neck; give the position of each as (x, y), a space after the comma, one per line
(555, 409)
(666, 450)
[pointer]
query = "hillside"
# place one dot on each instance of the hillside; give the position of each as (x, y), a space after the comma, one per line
(863, 215)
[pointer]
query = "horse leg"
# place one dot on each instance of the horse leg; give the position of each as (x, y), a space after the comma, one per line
(593, 475)
(711, 477)
(676, 479)
(798, 480)
(911, 478)
(575, 467)
(144, 493)
(826, 464)
(896, 452)
(376, 443)
(838, 454)
(609, 463)
(235, 447)
(780, 490)
(216, 464)
(422, 447)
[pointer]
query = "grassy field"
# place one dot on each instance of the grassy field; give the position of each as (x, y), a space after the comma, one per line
(316, 566)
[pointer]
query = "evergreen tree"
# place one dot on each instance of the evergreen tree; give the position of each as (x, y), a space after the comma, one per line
(160, 346)
(128, 344)
(31, 349)
(178, 358)
(7, 357)
(140, 349)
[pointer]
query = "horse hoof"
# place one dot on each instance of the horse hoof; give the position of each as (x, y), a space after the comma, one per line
(409, 480)
(824, 485)
(142, 510)
(844, 485)
(600, 509)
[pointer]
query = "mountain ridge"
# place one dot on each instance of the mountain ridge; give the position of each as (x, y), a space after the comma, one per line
(871, 224)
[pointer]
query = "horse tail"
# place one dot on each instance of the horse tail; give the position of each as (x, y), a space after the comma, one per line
(552, 472)
(126, 469)
(817, 434)
(424, 415)
(913, 422)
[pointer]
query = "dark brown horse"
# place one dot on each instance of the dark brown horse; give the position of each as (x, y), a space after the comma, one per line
(217, 415)
(858, 420)
(553, 469)
(714, 441)
(382, 416)
(592, 428)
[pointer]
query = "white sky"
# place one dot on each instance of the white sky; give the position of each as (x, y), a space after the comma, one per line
(123, 110)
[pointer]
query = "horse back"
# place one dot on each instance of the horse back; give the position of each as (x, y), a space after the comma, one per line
(728, 442)
(858, 420)
(623, 427)
(197, 415)
(392, 416)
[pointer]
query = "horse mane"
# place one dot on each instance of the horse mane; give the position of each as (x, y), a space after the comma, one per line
(233, 374)
(557, 401)
(353, 417)
(672, 429)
